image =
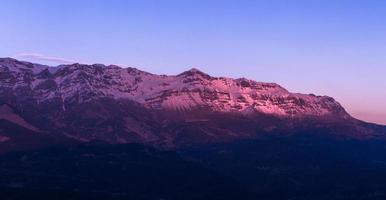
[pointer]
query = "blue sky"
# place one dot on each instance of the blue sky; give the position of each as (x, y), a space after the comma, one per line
(326, 47)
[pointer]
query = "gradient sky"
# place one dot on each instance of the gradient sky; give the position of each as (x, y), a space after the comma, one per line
(326, 47)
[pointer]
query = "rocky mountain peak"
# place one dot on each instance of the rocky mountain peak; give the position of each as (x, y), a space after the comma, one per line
(194, 72)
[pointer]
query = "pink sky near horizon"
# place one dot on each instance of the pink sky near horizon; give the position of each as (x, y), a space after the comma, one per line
(379, 118)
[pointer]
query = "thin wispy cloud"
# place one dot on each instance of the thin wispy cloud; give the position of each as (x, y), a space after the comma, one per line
(42, 57)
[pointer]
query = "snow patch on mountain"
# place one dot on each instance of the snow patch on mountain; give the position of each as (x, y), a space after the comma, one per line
(8, 114)
(4, 138)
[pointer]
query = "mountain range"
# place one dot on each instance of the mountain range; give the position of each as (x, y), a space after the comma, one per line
(118, 105)
(105, 132)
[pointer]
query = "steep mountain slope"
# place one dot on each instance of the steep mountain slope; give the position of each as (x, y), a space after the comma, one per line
(121, 105)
